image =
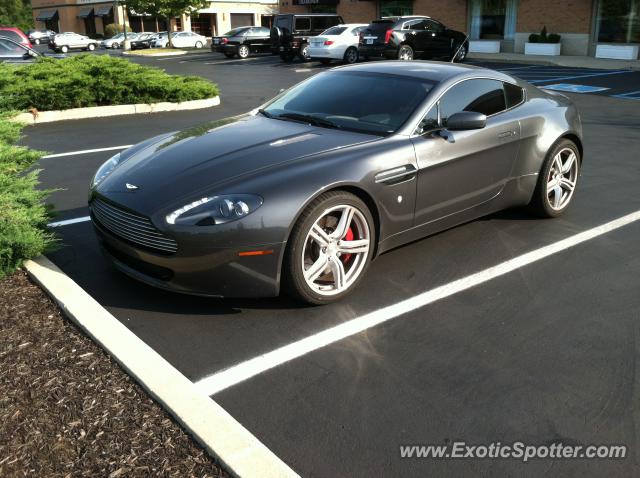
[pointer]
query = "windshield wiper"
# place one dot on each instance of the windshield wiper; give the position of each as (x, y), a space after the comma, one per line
(314, 120)
(264, 112)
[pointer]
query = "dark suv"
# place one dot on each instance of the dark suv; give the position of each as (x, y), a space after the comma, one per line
(290, 33)
(406, 38)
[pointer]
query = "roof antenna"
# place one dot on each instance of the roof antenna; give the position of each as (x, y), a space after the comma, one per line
(453, 58)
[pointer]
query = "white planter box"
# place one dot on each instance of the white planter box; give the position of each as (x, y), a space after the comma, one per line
(617, 52)
(548, 49)
(484, 46)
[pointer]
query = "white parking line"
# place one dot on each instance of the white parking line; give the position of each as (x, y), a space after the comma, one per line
(68, 222)
(245, 370)
(233, 62)
(86, 151)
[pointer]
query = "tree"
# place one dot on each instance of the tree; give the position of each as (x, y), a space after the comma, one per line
(16, 13)
(167, 9)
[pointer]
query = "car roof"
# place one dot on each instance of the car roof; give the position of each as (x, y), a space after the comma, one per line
(436, 71)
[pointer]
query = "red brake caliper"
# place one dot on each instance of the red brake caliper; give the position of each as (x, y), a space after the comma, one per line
(347, 237)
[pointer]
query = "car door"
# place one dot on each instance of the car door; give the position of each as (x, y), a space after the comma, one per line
(437, 42)
(414, 30)
(262, 39)
(178, 40)
(458, 170)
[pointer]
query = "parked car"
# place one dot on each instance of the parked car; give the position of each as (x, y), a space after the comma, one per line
(143, 40)
(301, 194)
(117, 41)
(406, 38)
(181, 40)
(14, 52)
(243, 41)
(40, 36)
(291, 32)
(336, 43)
(16, 35)
(63, 42)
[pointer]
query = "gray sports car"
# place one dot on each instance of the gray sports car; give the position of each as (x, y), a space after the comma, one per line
(301, 194)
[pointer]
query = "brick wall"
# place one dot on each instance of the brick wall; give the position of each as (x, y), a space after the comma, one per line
(452, 13)
(357, 11)
(568, 16)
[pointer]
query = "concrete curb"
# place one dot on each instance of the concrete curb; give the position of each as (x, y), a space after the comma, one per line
(103, 111)
(218, 432)
(561, 60)
(168, 53)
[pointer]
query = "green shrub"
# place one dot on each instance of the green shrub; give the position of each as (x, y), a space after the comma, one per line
(23, 214)
(93, 80)
(544, 37)
(112, 30)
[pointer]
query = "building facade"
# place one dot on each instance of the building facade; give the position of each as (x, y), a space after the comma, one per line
(583, 24)
(89, 17)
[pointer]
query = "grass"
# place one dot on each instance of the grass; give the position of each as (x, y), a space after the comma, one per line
(93, 80)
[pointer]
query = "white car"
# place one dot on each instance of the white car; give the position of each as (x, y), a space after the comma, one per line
(336, 43)
(181, 40)
(117, 40)
(64, 42)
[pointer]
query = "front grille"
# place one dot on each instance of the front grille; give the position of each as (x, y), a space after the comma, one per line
(131, 227)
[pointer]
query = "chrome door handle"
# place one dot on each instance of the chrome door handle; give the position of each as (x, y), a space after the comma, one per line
(507, 134)
(396, 175)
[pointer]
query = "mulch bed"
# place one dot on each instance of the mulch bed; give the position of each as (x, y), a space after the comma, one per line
(67, 409)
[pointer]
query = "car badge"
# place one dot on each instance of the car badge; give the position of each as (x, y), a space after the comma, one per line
(131, 187)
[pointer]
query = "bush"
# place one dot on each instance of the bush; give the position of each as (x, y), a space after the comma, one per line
(112, 30)
(23, 214)
(543, 37)
(93, 80)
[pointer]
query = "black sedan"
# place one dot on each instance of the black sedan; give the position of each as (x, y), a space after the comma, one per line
(301, 194)
(143, 41)
(243, 42)
(406, 38)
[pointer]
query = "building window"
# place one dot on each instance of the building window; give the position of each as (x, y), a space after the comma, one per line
(396, 8)
(619, 21)
(493, 19)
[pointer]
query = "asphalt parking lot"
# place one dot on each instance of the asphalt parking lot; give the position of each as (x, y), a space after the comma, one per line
(543, 354)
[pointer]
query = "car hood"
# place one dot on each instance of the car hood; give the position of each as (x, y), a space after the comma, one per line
(201, 160)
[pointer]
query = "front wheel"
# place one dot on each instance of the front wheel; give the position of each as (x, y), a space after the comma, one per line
(243, 51)
(115, 46)
(351, 55)
(557, 180)
(199, 44)
(405, 53)
(304, 52)
(330, 248)
(64, 48)
(91, 47)
(461, 53)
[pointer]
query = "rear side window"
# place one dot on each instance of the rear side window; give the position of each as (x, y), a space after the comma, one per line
(302, 24)
(513, 94)
(334, 31)
(482, 96)
(433, 26)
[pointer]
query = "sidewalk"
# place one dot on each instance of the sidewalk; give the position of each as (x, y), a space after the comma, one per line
(571, 61)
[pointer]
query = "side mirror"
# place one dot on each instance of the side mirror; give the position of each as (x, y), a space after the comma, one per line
(465, 120)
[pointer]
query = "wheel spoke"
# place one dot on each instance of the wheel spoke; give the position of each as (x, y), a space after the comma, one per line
(557, 163)
(317, 268)
(568, 164)
(318, 235)
(337, 270)
(567, 184)
(550, 185)
(343, 223)
(557, 196)
(358, 246)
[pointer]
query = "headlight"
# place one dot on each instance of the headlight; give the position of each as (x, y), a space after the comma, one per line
(106, 169)
(212, 210)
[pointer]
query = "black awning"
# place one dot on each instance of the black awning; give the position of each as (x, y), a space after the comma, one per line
(103, 11)
(47, 15)
(85, 13)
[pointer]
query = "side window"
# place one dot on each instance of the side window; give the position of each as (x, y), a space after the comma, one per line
(513, 94)
(481, 96)
(433, 26)
(430, 121)
(302, 24)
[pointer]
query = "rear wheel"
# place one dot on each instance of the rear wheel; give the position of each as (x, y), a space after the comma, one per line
(405, 53)
(304, 52)
(243, 51)
(91, 47)
(229, 55)
(199, 44)
(461, 52)
(115, 45)
(330, 248)
(351, 55)
(557, 180)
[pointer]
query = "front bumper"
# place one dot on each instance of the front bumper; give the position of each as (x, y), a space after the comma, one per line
(197, 268)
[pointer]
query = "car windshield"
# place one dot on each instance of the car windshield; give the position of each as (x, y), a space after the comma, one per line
(373, 103)
(334, 31)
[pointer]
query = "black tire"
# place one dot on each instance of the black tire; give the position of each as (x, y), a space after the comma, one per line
(293, 281)
(325, 61)
(304, 52)
(540, 202)
(115, 45)
(243, 51)
(286, 57)
(405, 53)
(351, 55)
(462, 52)
(229, 55)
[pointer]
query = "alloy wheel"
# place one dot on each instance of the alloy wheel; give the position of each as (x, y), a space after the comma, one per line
(562, 178)
(243, 51)
(405, 53)
(351, 55)
(335, 250)
(462, 54)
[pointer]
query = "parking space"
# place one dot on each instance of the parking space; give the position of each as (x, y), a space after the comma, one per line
(541, 354)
